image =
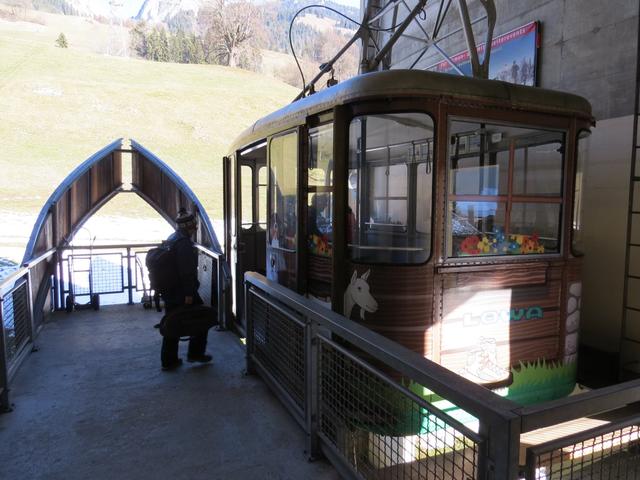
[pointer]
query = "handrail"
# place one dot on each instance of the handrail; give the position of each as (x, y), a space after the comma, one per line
(34, 261)
(24, 269)
(202, 248)
(208, 251)
(108, 247)
(220, 257)
(476, 399)
(577, 406)
(581, 436)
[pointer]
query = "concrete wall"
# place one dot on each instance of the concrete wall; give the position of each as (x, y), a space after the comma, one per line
(587, 47)
(606, 187)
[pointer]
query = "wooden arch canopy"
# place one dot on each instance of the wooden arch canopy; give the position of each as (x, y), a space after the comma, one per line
(166, 192)
(97, 180)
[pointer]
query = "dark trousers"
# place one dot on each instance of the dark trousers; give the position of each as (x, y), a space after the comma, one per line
(169, 351)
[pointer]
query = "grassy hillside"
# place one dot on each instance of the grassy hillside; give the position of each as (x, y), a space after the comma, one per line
(61, 105)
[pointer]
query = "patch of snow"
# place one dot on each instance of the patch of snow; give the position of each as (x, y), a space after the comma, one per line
(47, 92)
(6, 267)
(23, 26)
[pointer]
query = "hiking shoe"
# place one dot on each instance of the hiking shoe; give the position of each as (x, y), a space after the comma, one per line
(172, 365)
(204, 358)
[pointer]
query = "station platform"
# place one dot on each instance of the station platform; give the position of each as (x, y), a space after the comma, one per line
(92, 402)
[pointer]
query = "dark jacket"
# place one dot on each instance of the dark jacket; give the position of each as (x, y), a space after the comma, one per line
(187, 266)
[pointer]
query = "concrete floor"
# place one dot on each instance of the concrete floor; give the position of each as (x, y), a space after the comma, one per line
(92, 403)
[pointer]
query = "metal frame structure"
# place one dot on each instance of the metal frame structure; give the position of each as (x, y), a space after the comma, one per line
(376, 47)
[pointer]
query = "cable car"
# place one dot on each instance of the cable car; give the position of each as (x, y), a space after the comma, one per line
(440, 211)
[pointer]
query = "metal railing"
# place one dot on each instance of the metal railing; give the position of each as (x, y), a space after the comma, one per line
(354, 393)
(377, 410)
(116, 270)
(22, 296)
(215, 283)
(48, 281)
(120, 271)
(610, 450)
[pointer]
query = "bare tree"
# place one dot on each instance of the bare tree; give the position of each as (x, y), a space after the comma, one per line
(19, 8)
(230, 31)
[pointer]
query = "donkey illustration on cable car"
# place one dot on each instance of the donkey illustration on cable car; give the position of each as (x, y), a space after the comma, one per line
(357, 294)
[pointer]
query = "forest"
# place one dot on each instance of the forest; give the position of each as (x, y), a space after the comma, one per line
(237, 33)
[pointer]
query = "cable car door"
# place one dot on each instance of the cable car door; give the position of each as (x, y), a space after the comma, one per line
(319, 207)
(284, 228)
(249, 224)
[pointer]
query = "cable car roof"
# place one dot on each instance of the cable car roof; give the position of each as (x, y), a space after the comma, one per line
(403, 83)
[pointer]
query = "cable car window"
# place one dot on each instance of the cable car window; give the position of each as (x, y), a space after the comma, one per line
(283, 224)
(320, 172)
(320, 191)
(246, 196)
(505, 190)
(538, 167)
(577, 238)
(424, 195)
(390, 188)
(262, 197)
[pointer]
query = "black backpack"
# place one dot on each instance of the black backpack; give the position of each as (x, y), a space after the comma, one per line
(162, 267)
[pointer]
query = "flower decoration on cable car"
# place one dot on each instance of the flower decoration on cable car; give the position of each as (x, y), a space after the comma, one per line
(487, 245)
(498, 243)
(319, 245)
(469, 245)
(502, 242)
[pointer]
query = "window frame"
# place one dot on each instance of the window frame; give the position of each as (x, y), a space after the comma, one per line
(247, 226)
(289, 131)
(258, 203)
(317, 123)
(575, 251)
(507, 200)
(374, 109)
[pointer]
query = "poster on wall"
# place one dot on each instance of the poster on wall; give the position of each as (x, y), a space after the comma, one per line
(513, 57)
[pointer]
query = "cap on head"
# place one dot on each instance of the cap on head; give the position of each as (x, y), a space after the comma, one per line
(186, 220)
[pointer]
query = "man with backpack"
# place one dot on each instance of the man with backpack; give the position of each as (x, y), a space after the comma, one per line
(183, 291)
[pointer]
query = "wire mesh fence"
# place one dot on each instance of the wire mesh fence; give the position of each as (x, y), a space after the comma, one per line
(379, 428)
(279, 346)
(117, 273)
(100, 273)
(611, 453)
(384, 430)
(16, 320)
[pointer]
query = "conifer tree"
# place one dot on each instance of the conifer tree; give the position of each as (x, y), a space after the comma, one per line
(61, 41)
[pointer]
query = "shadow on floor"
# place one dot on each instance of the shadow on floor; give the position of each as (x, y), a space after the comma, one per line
(93, 403)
